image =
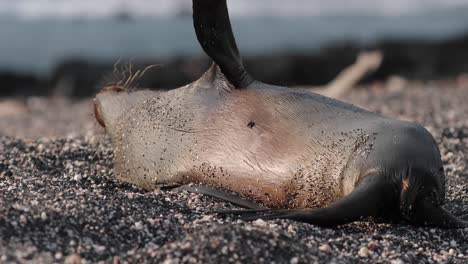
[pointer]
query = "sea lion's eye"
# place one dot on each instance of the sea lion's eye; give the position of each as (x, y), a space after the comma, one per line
(251, 124)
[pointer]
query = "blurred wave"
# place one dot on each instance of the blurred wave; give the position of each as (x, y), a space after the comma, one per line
(37, 34)
(158, 8)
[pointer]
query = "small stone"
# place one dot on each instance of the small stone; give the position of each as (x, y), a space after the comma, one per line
(451, 251)
(294, 260)
(44, 216)
(23, 219)
(78, 177)
(453, 243)
(73, 259)
(40, 147)
(138, 225)
(325, 248)
(99, 248)
(363, 252)
(224, 250)
(372, 245)
(58, 255)
(432, 230)
(259, 222)
(396, 261)
(438, 258)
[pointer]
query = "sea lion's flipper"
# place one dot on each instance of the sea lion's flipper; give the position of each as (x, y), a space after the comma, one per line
(220, 194)
(213, 29)
(428, 214)
(363, 202)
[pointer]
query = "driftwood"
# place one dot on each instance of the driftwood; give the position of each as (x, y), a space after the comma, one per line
(366, 62)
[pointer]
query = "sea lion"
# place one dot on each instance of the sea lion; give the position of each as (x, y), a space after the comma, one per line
(312, 158)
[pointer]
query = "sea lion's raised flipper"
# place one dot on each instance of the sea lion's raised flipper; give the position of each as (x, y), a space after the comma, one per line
(363, 202)
(213, 29)
(220, 194)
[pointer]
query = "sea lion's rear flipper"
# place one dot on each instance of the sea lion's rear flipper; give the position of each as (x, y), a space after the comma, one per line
(428, 214)
(363, 202)
(220, 194)
(213, 29)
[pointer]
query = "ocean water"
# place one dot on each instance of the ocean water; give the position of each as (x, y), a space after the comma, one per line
(38, 34)
(157, 8)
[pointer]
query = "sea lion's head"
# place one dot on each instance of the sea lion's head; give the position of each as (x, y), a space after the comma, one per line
(411, 160)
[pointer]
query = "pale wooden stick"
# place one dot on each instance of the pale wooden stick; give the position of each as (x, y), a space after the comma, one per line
(366, 62)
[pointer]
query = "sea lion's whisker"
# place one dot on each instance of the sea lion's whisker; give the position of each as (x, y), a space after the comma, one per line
(131, 79)
(148, 68)
(138, 75)
(115, 70)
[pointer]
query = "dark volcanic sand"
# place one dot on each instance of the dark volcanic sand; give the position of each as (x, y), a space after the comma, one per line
(60, 203)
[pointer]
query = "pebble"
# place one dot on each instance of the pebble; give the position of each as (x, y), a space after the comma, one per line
(260, 222)
(44, 216)
(325, 248)
(294, 260)
(40, 148)
(138, 225)
(396, 261)
(73, 259)
(363, 252)
(453, 243)
(372, 245)
(58, 255)
(78, 177)
(23, 219)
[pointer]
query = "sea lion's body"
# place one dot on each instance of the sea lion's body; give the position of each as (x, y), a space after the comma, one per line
(285, 148)
(328, 161)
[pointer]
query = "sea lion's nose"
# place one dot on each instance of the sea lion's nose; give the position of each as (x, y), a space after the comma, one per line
(96, 105)
(97, 113)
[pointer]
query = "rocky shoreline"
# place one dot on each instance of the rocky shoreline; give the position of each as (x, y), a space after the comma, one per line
(413, 59)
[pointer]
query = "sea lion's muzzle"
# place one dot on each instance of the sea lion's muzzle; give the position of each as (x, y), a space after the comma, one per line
(113, 101)
(97, 113)
(97, 106)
